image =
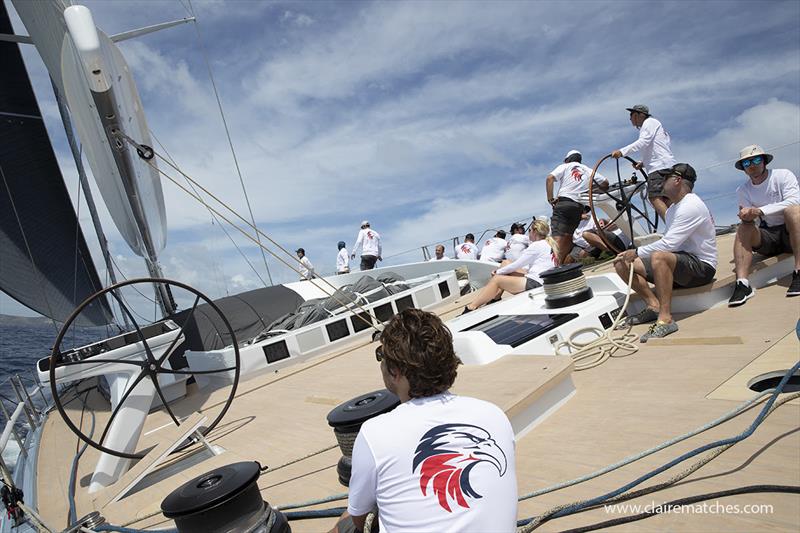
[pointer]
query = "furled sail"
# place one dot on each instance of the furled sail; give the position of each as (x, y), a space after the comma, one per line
(44, 261)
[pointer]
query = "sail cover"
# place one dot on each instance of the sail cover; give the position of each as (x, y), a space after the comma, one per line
(44, 261)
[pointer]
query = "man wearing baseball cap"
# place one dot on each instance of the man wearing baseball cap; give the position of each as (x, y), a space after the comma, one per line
(369, 241)
(769, 208)
(685, 256)
(573, 182)
(653, 145)
(306, 268)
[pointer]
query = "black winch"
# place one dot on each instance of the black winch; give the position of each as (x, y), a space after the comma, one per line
(346, 420)
(564, 286)
(225, 500)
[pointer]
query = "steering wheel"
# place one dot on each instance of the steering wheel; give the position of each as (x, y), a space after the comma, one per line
(624, 202)
(91, 362)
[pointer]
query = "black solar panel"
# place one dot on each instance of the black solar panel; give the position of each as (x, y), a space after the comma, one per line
(515, 330)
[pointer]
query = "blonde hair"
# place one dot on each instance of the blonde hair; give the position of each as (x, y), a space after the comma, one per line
(542, 228)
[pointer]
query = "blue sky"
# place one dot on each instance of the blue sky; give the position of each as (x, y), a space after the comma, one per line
(431, 119)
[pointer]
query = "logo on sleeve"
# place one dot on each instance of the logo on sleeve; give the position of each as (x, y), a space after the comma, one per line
(446, 456)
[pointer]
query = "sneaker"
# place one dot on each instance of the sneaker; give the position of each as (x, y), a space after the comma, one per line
(465, 311)
(659, 330)
(741, 293)
(645, 316)
(794, 286)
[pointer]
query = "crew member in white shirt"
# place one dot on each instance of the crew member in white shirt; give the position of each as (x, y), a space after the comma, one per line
(580, 247)
(369, 241)
(539, 256)
(306, 268)
(467, 250)
(685, 256)
(495, 248)
(769, 208)
(517, 242)
(613, 235)
(653, 145)
(439, 254)
(342, 259)
(399, 457)
(573, 181)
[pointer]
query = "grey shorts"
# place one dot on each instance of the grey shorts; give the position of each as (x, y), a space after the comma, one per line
(612, 238)
(566, 217)
(655, 184)
(689, 271)
(368, 262)
(774, 240)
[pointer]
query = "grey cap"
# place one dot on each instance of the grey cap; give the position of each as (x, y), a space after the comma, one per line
(684, 170)
(639, 108)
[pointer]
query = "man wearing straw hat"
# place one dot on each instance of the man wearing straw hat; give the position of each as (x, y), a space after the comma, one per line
(769, 208)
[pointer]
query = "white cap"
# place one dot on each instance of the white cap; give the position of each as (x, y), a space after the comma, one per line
(572, 152)
(364, 223)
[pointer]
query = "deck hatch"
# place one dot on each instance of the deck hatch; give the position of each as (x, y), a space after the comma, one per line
(337, 330)
(444, 289)
(406, 302)
(276, 351)
(360, 322)
(384, 312)
(515, 330)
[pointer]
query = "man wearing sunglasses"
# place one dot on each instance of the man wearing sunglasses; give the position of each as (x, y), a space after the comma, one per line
(438, 461)
(769, 208)
(653, 145)
(686, 256)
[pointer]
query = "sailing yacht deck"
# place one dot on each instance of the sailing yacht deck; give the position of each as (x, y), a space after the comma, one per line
(622, 407)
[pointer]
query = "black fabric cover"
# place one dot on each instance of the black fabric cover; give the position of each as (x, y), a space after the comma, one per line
(44, 261)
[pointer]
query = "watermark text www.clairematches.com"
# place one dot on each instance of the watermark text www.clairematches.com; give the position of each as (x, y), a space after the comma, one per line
(714, 507)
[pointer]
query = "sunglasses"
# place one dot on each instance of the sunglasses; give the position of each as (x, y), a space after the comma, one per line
(379, 353)
(754, 161)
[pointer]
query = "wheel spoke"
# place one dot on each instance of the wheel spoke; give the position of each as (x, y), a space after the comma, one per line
(189, 315)
(148, 352)
(164, 400)
(127, 393)
(197, 372)
(93, 361)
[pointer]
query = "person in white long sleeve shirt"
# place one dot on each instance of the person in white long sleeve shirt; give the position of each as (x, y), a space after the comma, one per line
(539, 256)
(495, 248)
(467, 250)
(517, 242)
(773, 198)
(685, 256)
(369, 241)
(653, 145)
(342, 259)
(573, 182)
(305, 267)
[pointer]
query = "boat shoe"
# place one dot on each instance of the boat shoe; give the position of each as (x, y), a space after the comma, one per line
(658, 330)
(794, 286)
(645, 316)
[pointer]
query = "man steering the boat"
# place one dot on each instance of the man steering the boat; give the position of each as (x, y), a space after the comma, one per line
(685, 256)
(573, 182)
(654, 146)
(769, 208)
(439, 461)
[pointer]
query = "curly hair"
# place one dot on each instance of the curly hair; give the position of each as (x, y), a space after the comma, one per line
(420, 347)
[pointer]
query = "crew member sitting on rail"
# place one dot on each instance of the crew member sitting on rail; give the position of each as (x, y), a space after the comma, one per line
(438, 461)
(686, 255)
(613, 235)
(573, 179)
(773, 197)
(494, 248)
(467, 250)
(539, 256)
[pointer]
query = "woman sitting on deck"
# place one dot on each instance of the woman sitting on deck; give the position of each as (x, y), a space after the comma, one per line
(539, 256)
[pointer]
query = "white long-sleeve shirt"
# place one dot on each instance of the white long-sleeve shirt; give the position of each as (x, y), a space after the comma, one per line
(538, 257)
(584, 225)
(466, 250)
(516, 245)
(573, 180)
(772, 196)
(653, 145)
(343, 261)
(369, 241)
(306, 269)
(689, 228)
(493, 249)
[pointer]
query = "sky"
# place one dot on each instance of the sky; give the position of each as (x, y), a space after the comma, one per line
(431, 119)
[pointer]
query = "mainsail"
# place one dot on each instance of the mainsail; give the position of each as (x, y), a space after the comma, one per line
(45, 263)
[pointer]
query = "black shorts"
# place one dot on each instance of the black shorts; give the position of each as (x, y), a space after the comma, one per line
(368, 262)
(689, 271)
(655, 184)
(566, 217)
(774, 240)
(612, 238)
(531, 284)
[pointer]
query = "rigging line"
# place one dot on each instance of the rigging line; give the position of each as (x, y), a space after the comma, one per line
(228, 134)
(735, 160)
(28, 248)
(312, 281)
(213, 217)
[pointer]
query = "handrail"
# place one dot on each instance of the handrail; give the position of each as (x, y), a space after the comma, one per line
(10, 427)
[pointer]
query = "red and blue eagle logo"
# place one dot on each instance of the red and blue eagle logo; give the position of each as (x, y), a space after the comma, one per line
(446, 456)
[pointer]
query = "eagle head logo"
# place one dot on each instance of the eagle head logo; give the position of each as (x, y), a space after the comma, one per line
(447, 454)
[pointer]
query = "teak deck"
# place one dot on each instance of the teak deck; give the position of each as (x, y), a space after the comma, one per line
(622, 407)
